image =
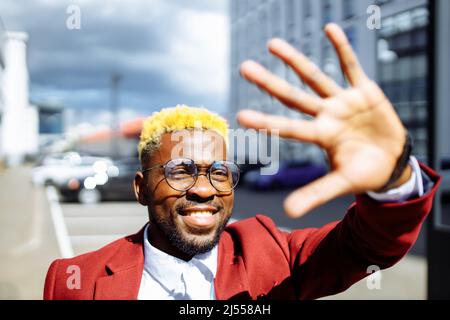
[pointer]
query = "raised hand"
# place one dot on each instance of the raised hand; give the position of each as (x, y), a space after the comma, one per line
(357, 127)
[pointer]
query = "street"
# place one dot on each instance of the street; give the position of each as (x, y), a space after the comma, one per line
(91, 227)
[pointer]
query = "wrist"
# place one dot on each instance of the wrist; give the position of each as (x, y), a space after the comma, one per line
(406, 175)
(402, 171)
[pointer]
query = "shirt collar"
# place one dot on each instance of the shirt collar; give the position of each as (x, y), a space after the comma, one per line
(168, 270)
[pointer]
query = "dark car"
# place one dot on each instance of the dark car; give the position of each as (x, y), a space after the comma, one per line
(247, 165)
(290, 175)
(113, 185)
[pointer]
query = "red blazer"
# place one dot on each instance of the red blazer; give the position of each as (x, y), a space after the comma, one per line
(256, 260)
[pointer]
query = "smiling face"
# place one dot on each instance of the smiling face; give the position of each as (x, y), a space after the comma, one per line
(185, 223)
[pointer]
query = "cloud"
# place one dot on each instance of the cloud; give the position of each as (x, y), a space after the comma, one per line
(167, 51)
(203, 37)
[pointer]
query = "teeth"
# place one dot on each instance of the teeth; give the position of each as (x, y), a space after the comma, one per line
(201, 214)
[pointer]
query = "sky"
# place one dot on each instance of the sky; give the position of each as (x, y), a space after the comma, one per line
(168, 52)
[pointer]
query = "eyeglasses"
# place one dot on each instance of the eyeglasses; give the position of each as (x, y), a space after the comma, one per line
(182, 173)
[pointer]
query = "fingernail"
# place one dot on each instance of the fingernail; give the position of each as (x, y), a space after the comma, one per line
(296, 206)
(250, 113)
(251, 66)
(277, 43)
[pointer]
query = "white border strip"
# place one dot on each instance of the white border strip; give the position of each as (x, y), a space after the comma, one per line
(64, 243)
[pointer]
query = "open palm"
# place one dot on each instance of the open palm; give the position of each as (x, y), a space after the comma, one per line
(357, 127)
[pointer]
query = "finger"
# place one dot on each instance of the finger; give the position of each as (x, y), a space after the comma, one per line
(304, 67)
(348, 60)
(304, 130)
(315, 194)
(279, 88)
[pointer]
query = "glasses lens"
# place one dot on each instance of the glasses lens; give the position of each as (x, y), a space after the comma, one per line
(181, 173)
(224, 175)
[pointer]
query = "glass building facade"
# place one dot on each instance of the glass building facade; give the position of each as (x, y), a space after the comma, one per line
(402, 59)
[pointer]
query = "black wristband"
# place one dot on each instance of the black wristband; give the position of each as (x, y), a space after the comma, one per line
(402, 163)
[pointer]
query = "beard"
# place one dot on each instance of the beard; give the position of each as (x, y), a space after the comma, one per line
(190, 244)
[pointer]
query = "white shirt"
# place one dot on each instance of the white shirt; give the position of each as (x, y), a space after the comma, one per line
(168, 278)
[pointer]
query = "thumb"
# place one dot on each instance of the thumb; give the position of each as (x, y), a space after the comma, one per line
(316, 193)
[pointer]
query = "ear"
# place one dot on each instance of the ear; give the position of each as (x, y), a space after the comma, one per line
(140, 188)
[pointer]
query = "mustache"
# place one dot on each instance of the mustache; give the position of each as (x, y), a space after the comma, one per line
(184, 205)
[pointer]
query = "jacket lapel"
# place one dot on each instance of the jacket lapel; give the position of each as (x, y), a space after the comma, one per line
(231, 280)
(124, 271)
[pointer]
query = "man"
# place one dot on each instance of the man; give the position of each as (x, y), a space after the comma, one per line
(187, 251)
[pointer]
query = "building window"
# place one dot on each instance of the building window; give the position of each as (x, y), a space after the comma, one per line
(327, 11)
(404, 22)
(263, 33)
(307, 17)
(307, 8)
(420, 17)
(306, 49)
(351, 36)
(327, 52)
(275, 19)
(290, 20)
(253, 30)
(348, 9)
(381, 2)
(329, 65)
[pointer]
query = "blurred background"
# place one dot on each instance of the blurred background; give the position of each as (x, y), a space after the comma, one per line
(77, 78)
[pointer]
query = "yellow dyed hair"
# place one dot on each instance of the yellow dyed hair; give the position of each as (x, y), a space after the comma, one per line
(178, 118)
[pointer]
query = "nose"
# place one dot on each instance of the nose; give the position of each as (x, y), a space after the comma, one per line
(202, 188)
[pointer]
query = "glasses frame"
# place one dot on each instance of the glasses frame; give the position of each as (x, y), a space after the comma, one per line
(207, 174)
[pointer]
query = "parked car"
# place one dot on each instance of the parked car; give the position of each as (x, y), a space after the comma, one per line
(116, 183)
(289, 175)
(247, 165)
(55, 169)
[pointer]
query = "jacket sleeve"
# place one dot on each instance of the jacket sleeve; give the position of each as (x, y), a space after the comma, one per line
(50, 279)
(330, 259)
